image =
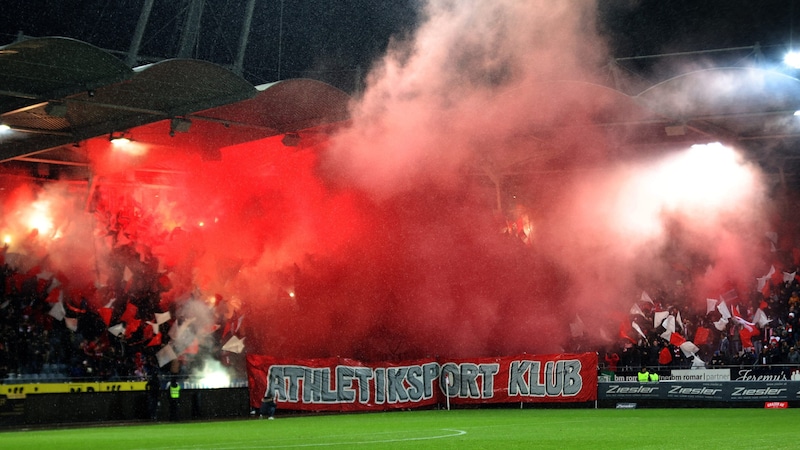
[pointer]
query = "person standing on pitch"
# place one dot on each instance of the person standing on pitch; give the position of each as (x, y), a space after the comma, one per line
(269, 404)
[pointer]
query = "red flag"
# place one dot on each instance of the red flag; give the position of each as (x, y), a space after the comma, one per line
(745, 335)
(155, 341)
(665, 356)
(749, 326)
(105, 314)
(676, 339)
(131, 327)
(701, 335)
(226, 329)
(624, 330)
(130, 313)
(42, 284)
(148, 331)
(777, 277)
(54, 295)
(765, 291)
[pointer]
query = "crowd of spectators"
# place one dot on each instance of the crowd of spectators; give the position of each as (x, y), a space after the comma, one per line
(52, 334)
(761, 328)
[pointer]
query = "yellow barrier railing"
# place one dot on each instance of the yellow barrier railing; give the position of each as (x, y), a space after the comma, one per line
(22, 390)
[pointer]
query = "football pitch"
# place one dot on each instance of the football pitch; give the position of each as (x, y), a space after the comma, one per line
(457, 429)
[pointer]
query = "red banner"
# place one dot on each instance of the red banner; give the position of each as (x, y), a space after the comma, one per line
(340, 384)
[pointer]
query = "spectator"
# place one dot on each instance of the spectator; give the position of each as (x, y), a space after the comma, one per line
(794, 356)
(174, 401)
(612, 360)
(153, 388)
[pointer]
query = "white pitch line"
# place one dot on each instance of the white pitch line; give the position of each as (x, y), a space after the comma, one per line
(328, 444)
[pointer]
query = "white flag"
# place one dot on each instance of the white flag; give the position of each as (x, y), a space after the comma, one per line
(58, 312)
(163, 317)
(760, 319)
(658, 318)
(117, 329)
(234, 345)
(689, 348)
(165, 355)
(723, 309)
(636, 310)
(638, 329)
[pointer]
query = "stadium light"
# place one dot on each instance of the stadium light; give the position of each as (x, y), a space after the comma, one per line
(792, 59)
(118, 139)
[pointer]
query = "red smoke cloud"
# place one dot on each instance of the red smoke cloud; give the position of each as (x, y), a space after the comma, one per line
(394, 240)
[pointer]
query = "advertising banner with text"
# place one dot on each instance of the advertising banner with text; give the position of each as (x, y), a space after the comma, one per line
(726, 391)
(341, 384)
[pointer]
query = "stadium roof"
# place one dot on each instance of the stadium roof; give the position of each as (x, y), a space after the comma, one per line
(57, 92)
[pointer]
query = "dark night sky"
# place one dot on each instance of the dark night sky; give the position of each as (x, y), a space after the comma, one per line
(336, 40)
(328, 40)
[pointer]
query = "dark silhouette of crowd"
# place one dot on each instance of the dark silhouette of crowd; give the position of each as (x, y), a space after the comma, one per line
(39, 343)
(761, 327)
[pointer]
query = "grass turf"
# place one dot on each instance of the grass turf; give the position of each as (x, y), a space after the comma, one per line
(485, 428)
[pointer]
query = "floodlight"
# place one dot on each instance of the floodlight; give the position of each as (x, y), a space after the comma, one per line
(792, 59)
(118, 139)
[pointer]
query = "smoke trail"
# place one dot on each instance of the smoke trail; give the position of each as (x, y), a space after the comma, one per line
(464, 100)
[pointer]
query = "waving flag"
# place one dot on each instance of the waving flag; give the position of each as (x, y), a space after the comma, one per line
(760, 319)
(58, 312)
(701, 335)
(676, 339)
(638, 329)
(723, 309)
(234, 345)
(635, 309)
(165, 355)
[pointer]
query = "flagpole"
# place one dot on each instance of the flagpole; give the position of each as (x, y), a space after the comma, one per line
(447, 390)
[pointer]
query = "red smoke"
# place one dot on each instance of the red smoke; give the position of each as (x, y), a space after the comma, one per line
(394, 240)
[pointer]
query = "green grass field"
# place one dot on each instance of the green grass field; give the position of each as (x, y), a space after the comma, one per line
(492, 428)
